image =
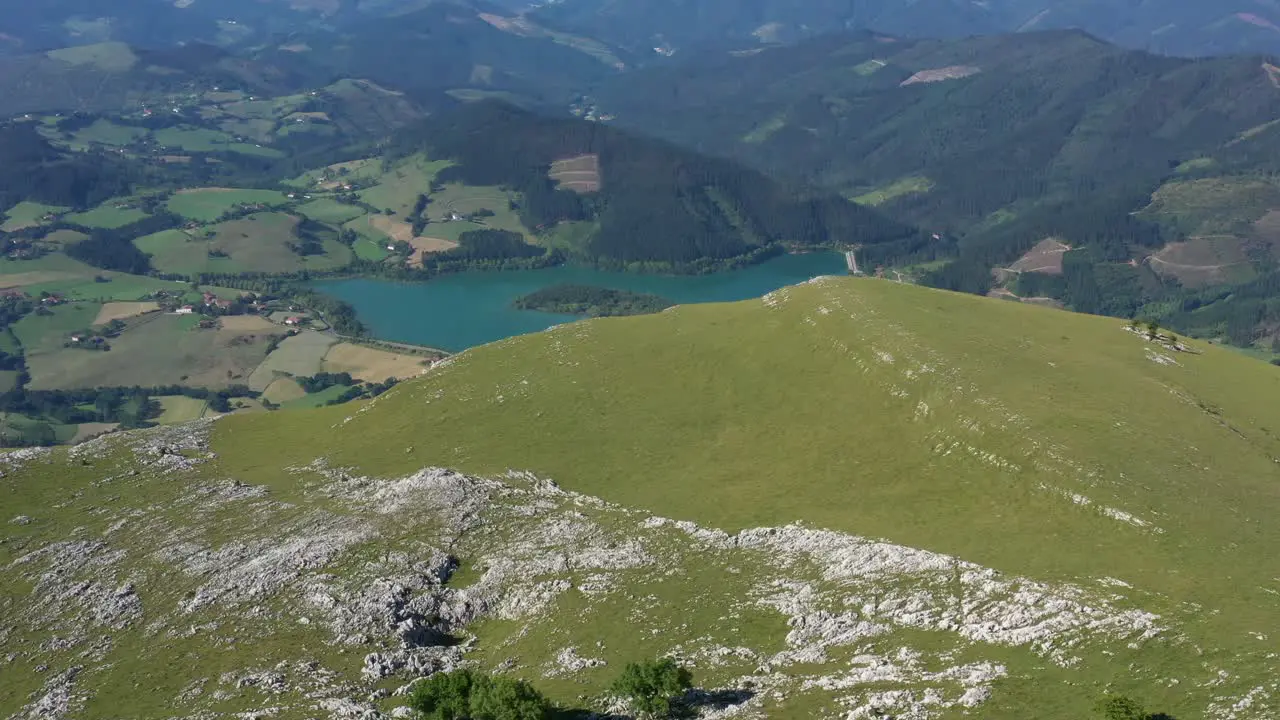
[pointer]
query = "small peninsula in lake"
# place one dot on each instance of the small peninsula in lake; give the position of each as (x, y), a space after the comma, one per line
(591, 301)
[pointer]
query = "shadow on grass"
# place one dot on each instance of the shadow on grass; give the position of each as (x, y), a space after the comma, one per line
(685, 707)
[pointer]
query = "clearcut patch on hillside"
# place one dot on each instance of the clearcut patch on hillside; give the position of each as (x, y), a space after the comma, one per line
(1204, 261)
(580, 174)
(953, 72)
(1046, 257)
(914, 185)
(1273, 73)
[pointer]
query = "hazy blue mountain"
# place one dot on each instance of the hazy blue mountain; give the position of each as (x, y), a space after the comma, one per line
(1179, 27)
(52, 24)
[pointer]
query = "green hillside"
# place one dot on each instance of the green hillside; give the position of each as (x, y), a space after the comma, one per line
(651, 203)
(1089, 511)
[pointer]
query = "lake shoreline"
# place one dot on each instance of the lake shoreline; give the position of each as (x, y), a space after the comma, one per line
(459, 310)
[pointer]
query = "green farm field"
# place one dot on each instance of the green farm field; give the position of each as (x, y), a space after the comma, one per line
(118, 287)
(351, 171)
(155, 349)
(315, 400)
(330, 211)
(47, 268)
(398, 188)
(299, 356)
(204, 140)
(107, 215)
(105, 132)
(16, 427)
(64, 237)
(58, 274)
(209, 204)
(369, 248)
(27, 214)
(466, 199)
(177, 409)
(43, 334)
(256, 242)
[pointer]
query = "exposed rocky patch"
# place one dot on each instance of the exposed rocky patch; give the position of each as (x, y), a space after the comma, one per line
(362, 575)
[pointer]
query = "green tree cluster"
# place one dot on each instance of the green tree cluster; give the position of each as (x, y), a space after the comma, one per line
(1121, 707)
(466, 695)
(651, 686)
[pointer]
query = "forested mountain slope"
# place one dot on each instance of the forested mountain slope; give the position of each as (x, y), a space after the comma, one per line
(1036, 116)
(637, 200)
(32, 169)
(1181, 27)
(850, 496)
(1007, 140)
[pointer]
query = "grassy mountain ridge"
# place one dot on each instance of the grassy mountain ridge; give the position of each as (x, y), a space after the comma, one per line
(882, 409)
(1089, 510)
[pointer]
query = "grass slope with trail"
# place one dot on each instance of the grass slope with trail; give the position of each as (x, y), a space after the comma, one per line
(850, 494)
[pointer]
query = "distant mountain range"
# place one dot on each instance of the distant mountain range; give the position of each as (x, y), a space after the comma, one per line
(1055, 114)
(1136, 161)
(438, 54)
(648, 30)
(1179, 27)
(51, 24)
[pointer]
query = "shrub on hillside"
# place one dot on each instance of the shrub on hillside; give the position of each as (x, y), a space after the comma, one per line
(465, 695)
(651, 685)
(1120, 707)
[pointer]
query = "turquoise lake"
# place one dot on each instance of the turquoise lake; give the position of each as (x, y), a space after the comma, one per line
(462, 310)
